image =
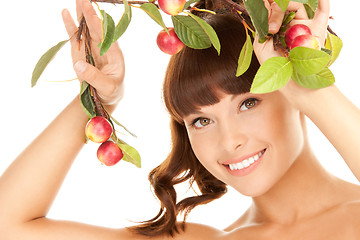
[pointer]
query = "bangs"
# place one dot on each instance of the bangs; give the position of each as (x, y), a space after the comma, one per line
(194, 78)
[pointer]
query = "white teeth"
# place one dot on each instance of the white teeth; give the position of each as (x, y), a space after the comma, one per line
(245, 163)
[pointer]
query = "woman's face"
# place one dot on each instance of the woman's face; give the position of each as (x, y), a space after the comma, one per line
(247, 141)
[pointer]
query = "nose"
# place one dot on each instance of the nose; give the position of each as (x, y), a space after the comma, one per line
(232, 135)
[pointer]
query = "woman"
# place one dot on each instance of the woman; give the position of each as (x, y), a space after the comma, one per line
(255, 143)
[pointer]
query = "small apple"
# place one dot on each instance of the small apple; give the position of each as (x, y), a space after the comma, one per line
(109, 153)
(172, 7)
(295, 31)
(169, 43)
(98, 129)
(306, 41)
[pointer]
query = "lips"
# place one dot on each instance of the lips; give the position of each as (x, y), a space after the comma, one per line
(245, 165)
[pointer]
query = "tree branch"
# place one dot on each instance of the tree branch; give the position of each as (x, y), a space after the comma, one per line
(120, 1)
(83, 31)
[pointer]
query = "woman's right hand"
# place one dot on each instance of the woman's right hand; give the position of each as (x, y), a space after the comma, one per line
(108, 75)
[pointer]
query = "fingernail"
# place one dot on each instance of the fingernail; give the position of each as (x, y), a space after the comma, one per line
(272, 26)
(80, 66)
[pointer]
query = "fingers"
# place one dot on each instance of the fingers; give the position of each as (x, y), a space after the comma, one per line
(92, 20)
(322, 12)
(276, 18)
(299, 9)
(69, 23)
(79, 12)
(106, 86)
(276, 15)
(83, 8)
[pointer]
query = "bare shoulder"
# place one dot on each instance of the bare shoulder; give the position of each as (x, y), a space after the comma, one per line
(196, 231)
(44, 228)
(192, 231)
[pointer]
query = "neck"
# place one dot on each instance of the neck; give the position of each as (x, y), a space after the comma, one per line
(304, 191)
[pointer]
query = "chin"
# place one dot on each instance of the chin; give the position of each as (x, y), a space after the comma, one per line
(255, 191)
(257, 188)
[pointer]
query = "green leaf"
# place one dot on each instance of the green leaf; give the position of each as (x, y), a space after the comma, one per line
(190, 32)
(188, 3)
(108, 32)
(44, 60)
(301, 1)
(86, 99)
(124, 21)
(334, 44)
(321, 79)
(131, 155)
(283, 4)
(272, 75)
(288, 18)
(210, 32)
(308, 61)
(119, 124)
(245, 57)
(154, 13)
(311, 7)
(259, 17)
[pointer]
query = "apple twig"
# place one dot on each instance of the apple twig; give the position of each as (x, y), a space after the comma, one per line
(83, 31)
(121, 1)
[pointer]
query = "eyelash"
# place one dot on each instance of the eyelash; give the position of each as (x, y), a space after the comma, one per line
(247, 101)
(240, 106)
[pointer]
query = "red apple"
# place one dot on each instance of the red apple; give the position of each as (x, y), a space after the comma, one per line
(169, 43)
(306, 41)
(98, 129)
(109, 153)
(172, 7)
(295, 31)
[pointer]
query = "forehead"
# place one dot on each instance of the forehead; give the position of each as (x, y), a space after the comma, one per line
(224, 100)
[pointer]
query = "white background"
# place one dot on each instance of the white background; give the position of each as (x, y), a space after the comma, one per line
(116, 196)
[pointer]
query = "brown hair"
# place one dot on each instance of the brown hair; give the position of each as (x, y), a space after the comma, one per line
(193, 79)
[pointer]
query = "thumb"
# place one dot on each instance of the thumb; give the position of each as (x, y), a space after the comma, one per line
(92, 75)
(106, 87)
(85, 71)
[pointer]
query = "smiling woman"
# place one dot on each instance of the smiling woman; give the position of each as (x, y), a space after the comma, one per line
(265, 146)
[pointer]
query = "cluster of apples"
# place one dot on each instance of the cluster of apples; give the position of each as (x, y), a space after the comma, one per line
(99, 130)
(169, 42)
(299, 35)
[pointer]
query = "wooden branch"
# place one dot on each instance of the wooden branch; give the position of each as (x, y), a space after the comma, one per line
(84, 35)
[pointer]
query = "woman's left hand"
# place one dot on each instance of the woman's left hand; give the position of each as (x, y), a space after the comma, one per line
(318, 25)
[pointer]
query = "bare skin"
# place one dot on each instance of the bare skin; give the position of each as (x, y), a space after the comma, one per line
(305, 203)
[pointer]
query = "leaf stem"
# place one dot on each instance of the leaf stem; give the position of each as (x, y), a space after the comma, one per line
(234, 6)
(69, 80)
(203, 10)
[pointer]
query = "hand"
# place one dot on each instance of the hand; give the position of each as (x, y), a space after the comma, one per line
(294, 93)
(318, 25)
(108, 75)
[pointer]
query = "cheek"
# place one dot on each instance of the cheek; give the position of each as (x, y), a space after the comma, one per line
(206, 151)
(288, 132)
(284, 133)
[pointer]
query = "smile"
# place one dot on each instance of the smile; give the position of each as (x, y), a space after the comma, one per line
(247, 162)
(244, 165)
